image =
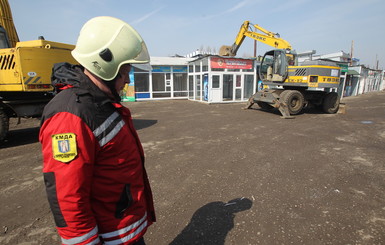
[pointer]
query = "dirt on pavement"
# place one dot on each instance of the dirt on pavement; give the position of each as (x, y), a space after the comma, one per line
(222, 175)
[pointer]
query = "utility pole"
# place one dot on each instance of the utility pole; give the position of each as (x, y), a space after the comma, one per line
(255, 48)
(351, 53)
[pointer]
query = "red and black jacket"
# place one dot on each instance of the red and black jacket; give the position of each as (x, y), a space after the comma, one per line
(94, 172)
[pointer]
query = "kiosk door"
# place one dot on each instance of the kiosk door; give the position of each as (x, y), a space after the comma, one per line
(215, 88)
(238, 87)
(228, 87)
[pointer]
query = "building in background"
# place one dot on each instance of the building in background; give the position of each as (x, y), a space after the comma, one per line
(340, 57)
(207, 78)
(211, 78)
(216, 79)
(167, 80)
(361, 79)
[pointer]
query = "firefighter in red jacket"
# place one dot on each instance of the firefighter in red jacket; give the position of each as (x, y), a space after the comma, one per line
(94, 172)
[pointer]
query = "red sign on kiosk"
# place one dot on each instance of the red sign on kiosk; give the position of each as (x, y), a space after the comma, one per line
(228, 63)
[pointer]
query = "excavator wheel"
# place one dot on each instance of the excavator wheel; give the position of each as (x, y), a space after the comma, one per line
(4, 125)
(331, 103)
(294, 100)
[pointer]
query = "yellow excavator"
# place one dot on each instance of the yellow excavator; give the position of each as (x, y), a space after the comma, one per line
(291, 86)
(25, 71)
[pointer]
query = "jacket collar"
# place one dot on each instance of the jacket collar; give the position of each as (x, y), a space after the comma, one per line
(65, 75)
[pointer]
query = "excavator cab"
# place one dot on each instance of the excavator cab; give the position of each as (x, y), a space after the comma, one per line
(274, 66)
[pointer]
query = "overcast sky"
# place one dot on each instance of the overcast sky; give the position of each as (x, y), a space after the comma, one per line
(180, 27)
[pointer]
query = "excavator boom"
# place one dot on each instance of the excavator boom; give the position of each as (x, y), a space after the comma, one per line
(6, 21)
(250, 30)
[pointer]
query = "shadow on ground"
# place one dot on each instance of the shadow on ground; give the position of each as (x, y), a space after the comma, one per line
(141, 124)
(211, 223)
(308, 110)
(18, 137)
(25, 136)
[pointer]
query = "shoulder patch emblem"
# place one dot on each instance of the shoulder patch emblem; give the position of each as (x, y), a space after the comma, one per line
(64, 147)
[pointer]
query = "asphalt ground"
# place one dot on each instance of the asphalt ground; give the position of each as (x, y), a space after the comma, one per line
(222, 175)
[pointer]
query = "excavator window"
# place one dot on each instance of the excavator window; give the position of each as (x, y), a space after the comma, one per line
(4, 42)
(290, 60)
(266, 68)
(277, 63)
(274, 66)
(280, 63)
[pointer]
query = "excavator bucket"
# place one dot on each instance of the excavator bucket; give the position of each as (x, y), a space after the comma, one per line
(224, 50)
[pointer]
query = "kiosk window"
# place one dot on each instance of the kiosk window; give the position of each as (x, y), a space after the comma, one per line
(215, 82)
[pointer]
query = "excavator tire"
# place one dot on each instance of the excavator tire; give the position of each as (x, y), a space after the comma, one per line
(4, 125)
(331, 103)
(294, 100)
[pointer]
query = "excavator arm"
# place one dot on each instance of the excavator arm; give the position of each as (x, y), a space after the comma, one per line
(250, 30)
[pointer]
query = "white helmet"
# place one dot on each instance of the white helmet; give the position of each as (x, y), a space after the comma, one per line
(106, 43)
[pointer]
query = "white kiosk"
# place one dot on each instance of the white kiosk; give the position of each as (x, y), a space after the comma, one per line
(217, 79)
